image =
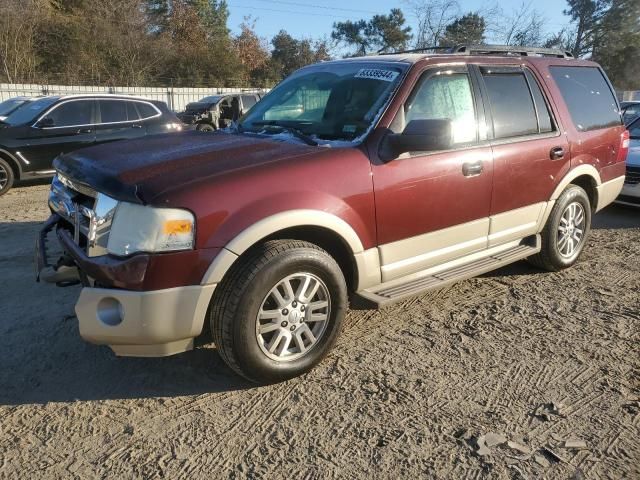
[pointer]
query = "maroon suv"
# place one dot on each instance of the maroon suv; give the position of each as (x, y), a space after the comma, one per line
(379, 177)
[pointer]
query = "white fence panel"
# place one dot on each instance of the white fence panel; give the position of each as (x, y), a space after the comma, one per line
(175, 98)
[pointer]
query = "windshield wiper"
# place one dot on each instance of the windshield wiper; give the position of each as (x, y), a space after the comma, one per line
(288, 128)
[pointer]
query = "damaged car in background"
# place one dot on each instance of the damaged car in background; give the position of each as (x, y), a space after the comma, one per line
(218, 111)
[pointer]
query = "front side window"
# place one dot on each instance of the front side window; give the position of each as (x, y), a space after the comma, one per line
(327, 101)
(72, 113)
(445, 96)
(589, 99)
(512, 106)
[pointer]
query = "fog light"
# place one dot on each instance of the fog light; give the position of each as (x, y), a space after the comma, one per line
(110, 311)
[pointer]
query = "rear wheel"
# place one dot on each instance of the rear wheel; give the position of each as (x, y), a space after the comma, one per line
(279, 311)
(566, 231)
(205, 127)
(7, 177)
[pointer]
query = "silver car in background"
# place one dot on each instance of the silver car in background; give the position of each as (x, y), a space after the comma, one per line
(630, 194)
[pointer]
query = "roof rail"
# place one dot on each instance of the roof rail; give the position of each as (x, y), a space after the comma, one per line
(491, 50)
(510, 50)
(419, 50)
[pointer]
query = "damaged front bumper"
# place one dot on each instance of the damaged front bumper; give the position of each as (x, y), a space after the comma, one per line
(132, 323)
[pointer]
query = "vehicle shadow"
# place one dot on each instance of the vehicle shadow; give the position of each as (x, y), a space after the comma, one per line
(43, 359)
(617, 216)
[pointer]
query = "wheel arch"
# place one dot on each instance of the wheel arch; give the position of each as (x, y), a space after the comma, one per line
(324, 229)
(13, 163)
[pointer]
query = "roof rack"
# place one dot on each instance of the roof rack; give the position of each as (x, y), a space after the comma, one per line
(509, 50)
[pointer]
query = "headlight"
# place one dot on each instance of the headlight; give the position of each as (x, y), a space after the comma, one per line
(136, 228)
(174, 126)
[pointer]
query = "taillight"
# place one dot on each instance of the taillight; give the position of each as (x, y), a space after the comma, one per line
(624, 146)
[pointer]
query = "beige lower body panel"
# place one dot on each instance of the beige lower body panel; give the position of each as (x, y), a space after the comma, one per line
(143, 324)
(516, 224)
(608, 191)
(424, 251)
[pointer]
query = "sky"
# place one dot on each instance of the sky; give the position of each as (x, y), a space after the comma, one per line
(314, 18)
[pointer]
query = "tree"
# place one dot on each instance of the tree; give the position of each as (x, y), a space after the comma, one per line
(466, 30)
(252, 52)
(587, 15)
(388, 31)
(382, 32)
(290, 54)
(523, 27)
(617, 44)
(352, 33)
(432, 16)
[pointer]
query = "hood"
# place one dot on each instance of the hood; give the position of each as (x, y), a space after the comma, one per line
(633, 157)
(140, 170)
(197, 107)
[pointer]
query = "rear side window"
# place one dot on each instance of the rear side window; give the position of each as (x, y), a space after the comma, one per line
(74, 113)
(146, 110)
(132, 113)
(113, 111)
(248, 101)
(544, 117)
(588, 97)
(512, 106)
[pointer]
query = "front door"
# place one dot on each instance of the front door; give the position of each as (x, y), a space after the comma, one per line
(432, 207)
(68, 127)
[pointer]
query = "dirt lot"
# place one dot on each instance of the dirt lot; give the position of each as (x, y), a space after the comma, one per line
(542, 358)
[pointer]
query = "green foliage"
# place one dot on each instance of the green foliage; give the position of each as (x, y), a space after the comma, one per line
(382, 32)
(466, 30)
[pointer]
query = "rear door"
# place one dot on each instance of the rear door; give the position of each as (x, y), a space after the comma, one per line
(529, 151)
(71, 126)
(119, 119)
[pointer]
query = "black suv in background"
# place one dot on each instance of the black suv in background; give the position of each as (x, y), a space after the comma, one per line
(33, 135)
(218, 111)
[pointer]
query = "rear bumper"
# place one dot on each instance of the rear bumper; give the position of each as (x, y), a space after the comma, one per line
(143, 324)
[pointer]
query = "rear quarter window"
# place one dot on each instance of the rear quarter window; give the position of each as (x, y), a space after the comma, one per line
(588, 96)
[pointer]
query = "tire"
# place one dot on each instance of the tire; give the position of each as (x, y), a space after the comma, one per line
(7, 177)
(557, 236)
(249, 344)
(205, 127)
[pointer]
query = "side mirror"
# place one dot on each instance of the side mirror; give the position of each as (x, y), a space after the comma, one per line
(422, 136)
(46, 122)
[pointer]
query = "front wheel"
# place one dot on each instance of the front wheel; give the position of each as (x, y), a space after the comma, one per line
(6, 177)
(280, 310)
(565, 234)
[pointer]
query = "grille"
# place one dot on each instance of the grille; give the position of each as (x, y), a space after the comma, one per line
(633, 176)
(87, 213)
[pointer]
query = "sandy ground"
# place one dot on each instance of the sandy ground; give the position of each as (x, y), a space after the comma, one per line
(416, 390)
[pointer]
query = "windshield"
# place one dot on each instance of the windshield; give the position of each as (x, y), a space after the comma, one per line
(328, 102)
(211, 99)
(30, 111)
(10, 105)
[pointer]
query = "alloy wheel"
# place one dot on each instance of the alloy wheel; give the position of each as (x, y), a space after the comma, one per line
(293, 317)
(571, 229)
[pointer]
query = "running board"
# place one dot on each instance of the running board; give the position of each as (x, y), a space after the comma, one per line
(397, 289)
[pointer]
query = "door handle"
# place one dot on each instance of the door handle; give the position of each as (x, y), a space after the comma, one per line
(136, 125)
(556, 153)
(85, 130)
(472, 169)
